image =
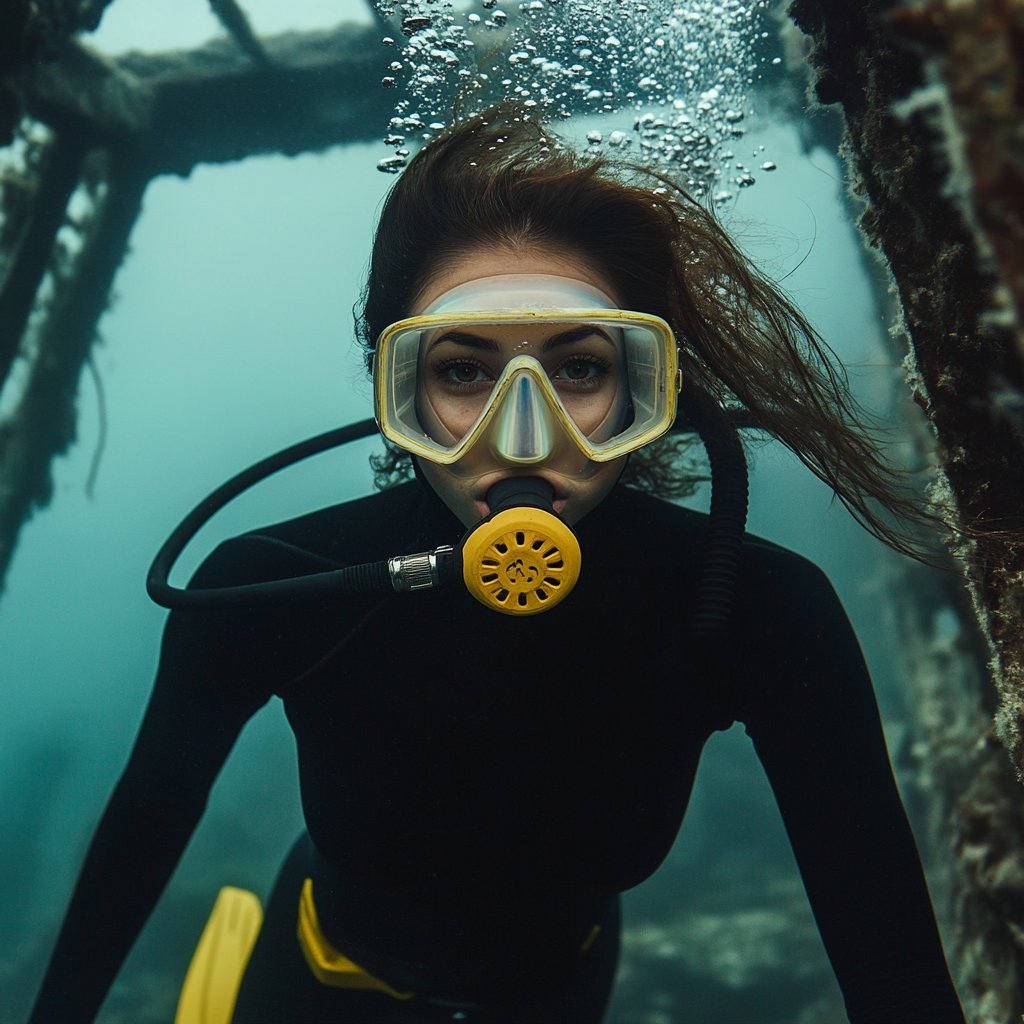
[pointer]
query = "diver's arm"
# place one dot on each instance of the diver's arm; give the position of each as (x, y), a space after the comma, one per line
(207, 687)
(147, 824)
(814, 722)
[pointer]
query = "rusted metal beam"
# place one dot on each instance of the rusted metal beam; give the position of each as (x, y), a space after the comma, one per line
(150, 114)
(236, 24)
(906, 155)
(33, 251)
(934, 105)
(214, 104)
(43, 424)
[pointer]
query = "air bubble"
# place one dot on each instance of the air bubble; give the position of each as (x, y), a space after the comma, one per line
(391, 164)
(415, 23)
(685, 62)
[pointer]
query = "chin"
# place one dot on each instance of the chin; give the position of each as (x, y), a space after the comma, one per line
(573, 499)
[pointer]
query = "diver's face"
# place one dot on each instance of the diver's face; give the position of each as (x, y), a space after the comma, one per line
(461, 366)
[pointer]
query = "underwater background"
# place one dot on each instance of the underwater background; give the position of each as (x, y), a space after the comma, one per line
(231, 336)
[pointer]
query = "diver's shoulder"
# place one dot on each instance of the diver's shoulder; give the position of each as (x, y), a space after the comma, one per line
(358, 528)
(772, 558)
(648, 511)
(759, 557)
(362, 530)
(775, 582)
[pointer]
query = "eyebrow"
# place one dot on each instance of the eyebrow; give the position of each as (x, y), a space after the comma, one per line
(467, 339)
(576, 334)
(555, 341)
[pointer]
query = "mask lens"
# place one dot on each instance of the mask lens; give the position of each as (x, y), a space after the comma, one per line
(460, 367)
(602, 380)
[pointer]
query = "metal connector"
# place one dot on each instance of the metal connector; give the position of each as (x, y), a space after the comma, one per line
(418, 572)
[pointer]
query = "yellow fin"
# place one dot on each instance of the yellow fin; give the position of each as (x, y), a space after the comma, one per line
(215, 974)
(328, 965)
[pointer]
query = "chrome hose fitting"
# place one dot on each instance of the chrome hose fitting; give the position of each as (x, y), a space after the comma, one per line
(418, 572)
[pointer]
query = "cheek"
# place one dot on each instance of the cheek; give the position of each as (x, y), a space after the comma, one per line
(456, 413)
(588, 494)
(587, 411)
(454, 491)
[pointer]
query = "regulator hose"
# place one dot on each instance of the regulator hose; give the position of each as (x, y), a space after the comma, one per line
(428, 569)
(728, 519)
(372, 578)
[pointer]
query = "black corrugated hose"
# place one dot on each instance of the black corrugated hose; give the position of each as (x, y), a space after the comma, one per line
(728, 519)
(698, 411)
(370, 579)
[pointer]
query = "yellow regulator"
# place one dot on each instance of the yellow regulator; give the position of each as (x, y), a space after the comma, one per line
(521, 561)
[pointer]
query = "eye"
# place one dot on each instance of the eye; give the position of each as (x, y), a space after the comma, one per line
(581, 372)
(460, 373)
(577, 369)
(465, 373)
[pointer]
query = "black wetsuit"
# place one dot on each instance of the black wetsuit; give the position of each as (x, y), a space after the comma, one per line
(479, 789)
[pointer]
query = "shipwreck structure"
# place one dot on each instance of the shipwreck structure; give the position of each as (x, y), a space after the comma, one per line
(933, 98)
(933, 101)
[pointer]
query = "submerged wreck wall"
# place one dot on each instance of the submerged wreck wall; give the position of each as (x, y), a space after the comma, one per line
(104, 128)
(933, 98)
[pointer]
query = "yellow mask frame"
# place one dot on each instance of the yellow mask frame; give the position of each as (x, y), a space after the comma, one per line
(665, 386)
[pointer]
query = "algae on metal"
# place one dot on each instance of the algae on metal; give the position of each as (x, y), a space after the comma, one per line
(113, 125)
(933, 104)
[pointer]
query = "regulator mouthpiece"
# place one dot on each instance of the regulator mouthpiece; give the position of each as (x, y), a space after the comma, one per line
(522, 559)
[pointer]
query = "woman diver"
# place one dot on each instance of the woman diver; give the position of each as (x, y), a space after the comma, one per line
(484, 772)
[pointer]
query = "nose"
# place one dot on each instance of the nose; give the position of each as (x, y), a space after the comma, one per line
(523, 430)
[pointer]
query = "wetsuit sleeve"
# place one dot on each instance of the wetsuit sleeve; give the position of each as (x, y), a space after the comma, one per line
(813, 719)
(208, 685)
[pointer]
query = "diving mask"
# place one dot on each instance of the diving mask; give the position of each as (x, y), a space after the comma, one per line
(533, 407)
(525, 370)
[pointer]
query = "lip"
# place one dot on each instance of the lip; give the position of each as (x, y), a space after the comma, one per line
(484, 484)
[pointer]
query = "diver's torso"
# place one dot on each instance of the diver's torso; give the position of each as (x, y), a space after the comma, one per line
(444, 745)
(458, 764)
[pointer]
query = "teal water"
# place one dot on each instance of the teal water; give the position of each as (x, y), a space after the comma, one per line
(231, 336)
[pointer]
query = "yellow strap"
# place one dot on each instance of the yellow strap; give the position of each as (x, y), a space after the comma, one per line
(215, 973)
(589, 940)
(328, 965)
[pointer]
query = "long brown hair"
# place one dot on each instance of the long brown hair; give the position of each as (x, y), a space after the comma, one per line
(502, 178)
